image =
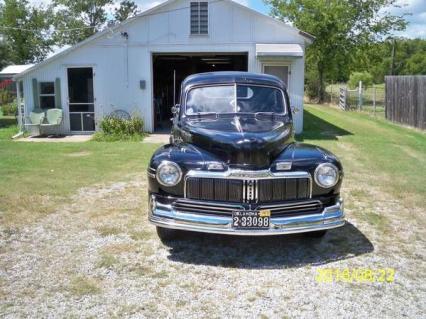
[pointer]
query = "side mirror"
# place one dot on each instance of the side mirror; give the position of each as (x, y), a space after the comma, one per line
(294, 109)
(175, 109)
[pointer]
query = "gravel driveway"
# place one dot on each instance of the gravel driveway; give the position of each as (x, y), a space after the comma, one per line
(98, 256)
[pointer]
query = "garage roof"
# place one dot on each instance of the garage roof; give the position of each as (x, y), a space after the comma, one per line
(279, 50)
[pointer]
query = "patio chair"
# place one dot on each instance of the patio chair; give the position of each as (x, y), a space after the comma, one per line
(53, 119)
(33, 122)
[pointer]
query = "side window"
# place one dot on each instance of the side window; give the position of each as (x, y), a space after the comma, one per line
(47, 95)
(21, 90)
(199, 18)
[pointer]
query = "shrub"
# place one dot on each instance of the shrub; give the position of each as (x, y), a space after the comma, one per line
(117, 129)
(9, 108)
(355, 77)
(6, 96)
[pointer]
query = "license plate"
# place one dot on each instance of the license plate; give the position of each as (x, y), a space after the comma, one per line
(251, 219)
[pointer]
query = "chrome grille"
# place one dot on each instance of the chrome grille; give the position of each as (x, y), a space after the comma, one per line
(248, 190)
(227, 190)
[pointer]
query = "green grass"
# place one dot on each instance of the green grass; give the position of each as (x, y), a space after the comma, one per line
(8, 127)
(394, 154)
(36, 177)
(107, 261)
(81, 286)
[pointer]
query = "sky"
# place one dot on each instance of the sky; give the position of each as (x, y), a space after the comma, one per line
(416, 21)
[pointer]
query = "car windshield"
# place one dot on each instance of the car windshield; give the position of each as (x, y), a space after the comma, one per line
(221, 99)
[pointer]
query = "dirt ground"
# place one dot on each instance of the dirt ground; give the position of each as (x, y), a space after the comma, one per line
(98, 257)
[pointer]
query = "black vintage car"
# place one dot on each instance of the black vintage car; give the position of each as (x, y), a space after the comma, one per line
(233, 167)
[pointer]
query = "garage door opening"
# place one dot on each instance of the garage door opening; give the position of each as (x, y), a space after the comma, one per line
(170, 70)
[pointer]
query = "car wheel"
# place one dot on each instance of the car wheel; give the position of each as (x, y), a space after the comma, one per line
(166, 234)
(316, 234)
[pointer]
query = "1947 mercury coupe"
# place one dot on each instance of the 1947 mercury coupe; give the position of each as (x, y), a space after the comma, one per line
(233, 167)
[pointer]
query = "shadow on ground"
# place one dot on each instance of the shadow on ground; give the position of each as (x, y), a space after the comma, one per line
(317, 129)
(269, 252)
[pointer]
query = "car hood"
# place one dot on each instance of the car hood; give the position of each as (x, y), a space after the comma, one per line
(243, 141)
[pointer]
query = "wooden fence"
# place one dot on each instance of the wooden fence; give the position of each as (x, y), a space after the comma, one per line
(406, 100)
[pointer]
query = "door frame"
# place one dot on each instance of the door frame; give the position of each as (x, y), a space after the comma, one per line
(287, 64)
(67, 101)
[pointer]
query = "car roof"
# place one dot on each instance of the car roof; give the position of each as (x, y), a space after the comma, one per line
(231, 77)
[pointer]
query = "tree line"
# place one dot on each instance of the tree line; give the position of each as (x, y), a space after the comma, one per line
(350, 35)
(28, 33)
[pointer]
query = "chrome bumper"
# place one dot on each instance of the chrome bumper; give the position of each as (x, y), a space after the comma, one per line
(165, 216)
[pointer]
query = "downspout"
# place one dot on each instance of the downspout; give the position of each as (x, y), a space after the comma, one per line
(126, 57)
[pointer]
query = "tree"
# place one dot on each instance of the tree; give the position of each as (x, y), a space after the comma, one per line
(339, 27)
(126, 10)
(365, 77)
(76, 20)
(416, 64)
(25, 32)
(4, 54)
(398, 56)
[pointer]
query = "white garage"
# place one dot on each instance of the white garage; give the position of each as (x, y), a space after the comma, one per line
(138, 66)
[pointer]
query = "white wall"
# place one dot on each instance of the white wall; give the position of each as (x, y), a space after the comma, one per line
(232, 28)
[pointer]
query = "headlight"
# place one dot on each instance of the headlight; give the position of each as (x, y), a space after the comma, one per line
(326, 175)
(169, 173)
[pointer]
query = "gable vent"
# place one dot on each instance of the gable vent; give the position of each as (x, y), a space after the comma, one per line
(199, 18)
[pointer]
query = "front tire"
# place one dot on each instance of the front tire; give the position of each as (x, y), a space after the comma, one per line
(316, 234)
(166, 234)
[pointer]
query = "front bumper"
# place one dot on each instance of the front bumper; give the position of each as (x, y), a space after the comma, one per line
(166, 216)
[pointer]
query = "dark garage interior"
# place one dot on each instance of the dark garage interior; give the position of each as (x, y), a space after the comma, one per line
(169, 70)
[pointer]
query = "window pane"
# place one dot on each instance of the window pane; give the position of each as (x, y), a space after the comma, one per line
(21, 89)
(47, 88)
(204, 17)
(82, 108)
(75, 122)
(47, 102)
(252, 99)
(195, 22)
(219, 99)
(88, 122)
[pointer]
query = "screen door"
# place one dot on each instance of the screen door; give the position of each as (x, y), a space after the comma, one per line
(81, 100)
